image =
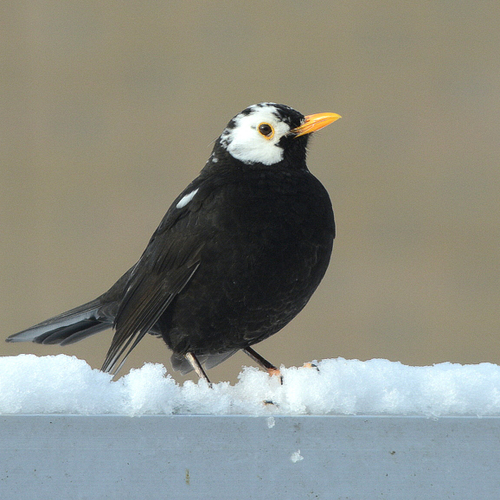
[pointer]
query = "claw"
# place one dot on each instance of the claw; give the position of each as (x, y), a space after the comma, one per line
(310, 365)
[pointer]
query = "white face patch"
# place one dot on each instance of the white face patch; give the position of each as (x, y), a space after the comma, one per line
(244, 141)
(186, 199)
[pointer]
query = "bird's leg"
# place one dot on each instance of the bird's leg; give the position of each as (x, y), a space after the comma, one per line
(193, 361)
(270, 368)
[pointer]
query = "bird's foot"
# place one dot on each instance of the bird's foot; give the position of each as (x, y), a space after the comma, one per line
(270, 402)
(274, 372)
(310, 365)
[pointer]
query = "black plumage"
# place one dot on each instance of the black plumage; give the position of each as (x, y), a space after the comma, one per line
(236, 257)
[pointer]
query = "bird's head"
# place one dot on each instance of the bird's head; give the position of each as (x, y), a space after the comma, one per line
(267, 133)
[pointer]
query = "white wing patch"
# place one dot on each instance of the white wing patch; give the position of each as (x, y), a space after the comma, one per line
(186, 199)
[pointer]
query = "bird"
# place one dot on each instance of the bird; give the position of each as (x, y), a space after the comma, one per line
(236, 257)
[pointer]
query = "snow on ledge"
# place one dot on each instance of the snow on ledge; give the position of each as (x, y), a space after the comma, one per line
(64, 384)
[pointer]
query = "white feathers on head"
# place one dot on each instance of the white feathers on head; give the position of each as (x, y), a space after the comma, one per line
(242, 138)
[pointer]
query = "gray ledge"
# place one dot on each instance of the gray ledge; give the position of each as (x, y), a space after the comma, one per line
(242, 457)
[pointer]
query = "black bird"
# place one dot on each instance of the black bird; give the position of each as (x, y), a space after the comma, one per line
(236, 257)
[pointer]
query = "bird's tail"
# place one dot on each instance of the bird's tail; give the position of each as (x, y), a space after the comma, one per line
(68, 327)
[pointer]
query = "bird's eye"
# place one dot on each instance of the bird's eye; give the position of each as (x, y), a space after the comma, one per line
(266, 130)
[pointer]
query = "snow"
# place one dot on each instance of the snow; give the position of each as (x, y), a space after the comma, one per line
(64, 384)
(296, 457)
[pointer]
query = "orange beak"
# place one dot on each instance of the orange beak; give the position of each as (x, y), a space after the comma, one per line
(315, 122)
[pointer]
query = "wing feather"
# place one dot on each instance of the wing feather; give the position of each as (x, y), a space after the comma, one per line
(160, 275)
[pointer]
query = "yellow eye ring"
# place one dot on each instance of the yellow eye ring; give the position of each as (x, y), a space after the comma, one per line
(266, 130)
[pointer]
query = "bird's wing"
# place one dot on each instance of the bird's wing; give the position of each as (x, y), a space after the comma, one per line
(166, 266)
(151, 290)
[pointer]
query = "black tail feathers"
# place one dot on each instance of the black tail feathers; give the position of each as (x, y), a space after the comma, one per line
(68, 327)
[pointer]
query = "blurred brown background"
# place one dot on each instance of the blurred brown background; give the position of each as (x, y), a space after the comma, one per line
(108, 110)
